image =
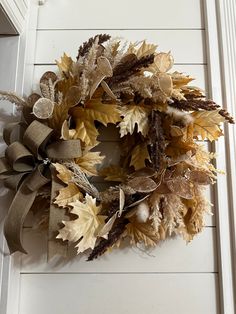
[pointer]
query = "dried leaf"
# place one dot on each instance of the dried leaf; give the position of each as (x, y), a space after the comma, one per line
(139, 155)
(108, 90)
(207, 124)
(67, 195)
(85, 118)
(142, 184)
(65, 64)
(73, 96)
(144, 172)
(64, 174)
(144, 50)
(176, 131)
(104, 66)
(88, 162)
(122, 201)
(134, 116)
(86, 227)
(181, 186)
(200, 177)
(165, 84)
(113, 173)
(163, 62)
(142, 233)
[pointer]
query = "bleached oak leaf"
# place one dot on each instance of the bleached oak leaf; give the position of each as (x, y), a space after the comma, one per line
(134, 116)
(139, 155)
(207, 124)
(143, 50)
(86, 227)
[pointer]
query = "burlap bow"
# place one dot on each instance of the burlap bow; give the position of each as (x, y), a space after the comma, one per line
(26, 168)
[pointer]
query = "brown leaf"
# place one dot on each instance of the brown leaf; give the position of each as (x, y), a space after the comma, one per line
(142, 184)
(181, 187)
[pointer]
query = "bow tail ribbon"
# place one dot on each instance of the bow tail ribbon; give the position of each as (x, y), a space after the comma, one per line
(23, 168)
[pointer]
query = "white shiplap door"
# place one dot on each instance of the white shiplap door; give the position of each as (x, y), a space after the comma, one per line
(175, 278)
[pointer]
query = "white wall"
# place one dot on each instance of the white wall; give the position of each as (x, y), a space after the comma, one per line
(176, 278)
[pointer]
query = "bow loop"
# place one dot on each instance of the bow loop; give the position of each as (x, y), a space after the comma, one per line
(19, 157)
(26, 168)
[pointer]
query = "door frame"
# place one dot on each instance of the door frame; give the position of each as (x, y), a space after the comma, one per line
(220, 21)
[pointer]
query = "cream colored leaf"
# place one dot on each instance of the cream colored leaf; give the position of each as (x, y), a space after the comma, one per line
(67, 133)
(163, 62)
(113, 173)
(108, 90)
(107, 227)
(69, 194)
(88, 162)
(165, 84)
(85, 117)
(64, 174)
(139, 155)
(207, 124)
(86, 227)
(134, 116)
(142, 233)
(122, 202)
(104, 66)
(65, 64)
(145, 49)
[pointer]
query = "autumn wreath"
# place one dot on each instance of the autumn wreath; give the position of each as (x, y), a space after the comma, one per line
(51, 152)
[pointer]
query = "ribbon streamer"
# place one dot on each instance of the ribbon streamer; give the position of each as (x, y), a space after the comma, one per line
(26, 168)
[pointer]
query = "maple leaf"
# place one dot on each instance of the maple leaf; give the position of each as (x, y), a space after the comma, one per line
(139, 155)
(86, 227)
(207, 124)
(142, 233)
(134, 115)
(69, 193)
(143, 50)
(63, 173)
(113, 173)
(88, 162)
(65, 64)
(85, 117)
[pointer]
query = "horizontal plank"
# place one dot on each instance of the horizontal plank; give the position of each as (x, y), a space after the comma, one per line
(186, 45)
(127, 293)
(173, 255)
(199, 72)
(122, 14)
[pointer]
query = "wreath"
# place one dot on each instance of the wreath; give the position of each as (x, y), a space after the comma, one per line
(156, 190)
